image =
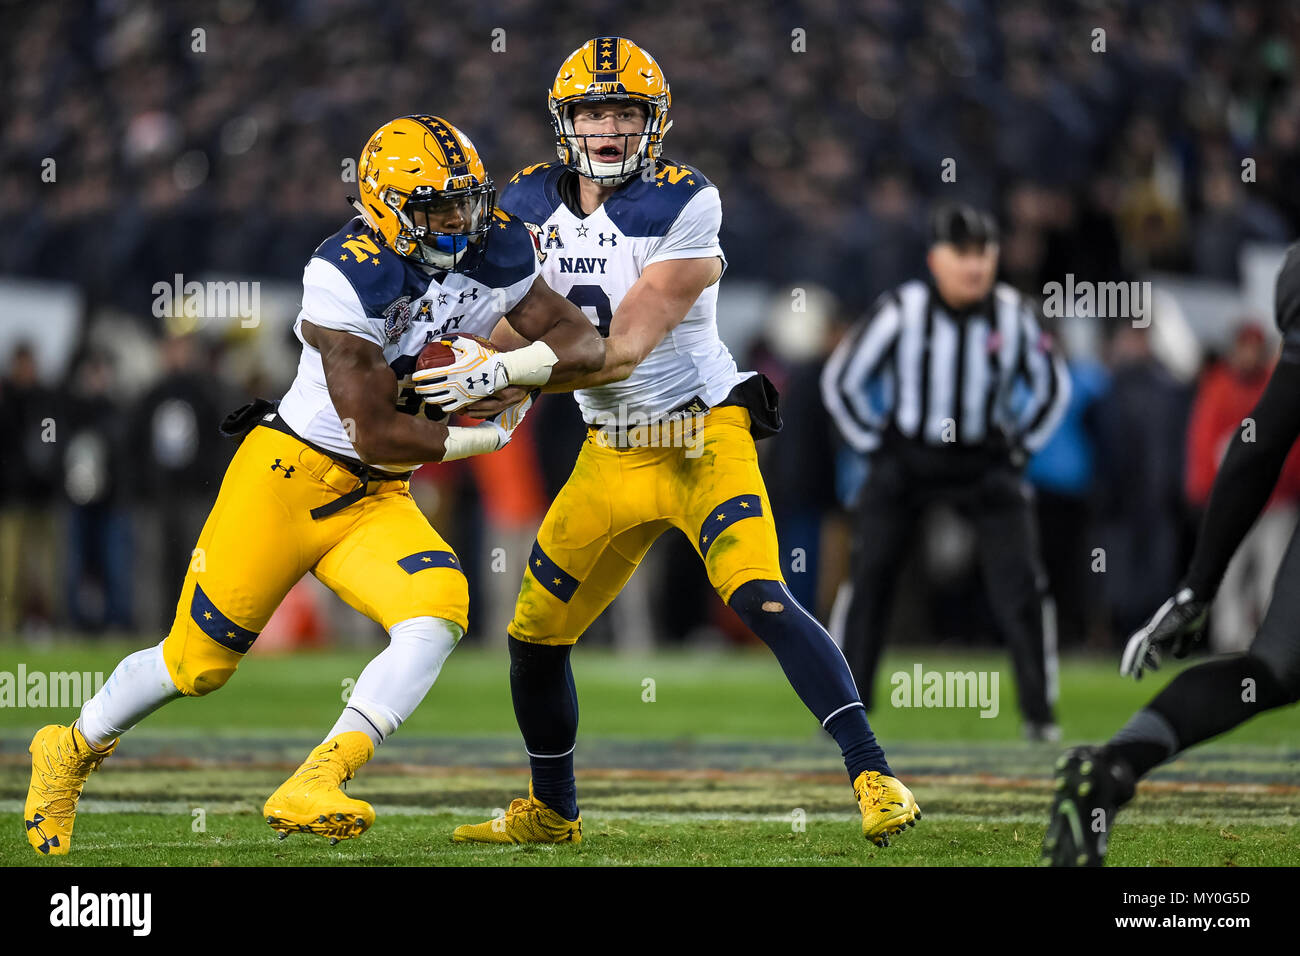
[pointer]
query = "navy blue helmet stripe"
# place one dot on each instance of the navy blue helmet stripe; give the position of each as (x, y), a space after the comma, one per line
(604, 63)
(550, 575)
(725, 515)
(453, 153)
(219, 627)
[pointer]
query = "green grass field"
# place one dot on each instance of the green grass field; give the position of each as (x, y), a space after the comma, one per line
(723, 766)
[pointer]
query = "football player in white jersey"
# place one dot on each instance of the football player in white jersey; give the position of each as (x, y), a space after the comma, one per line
(320, 481)
(632, 239)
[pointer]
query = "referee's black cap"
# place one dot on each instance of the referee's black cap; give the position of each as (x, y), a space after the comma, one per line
(962, 225)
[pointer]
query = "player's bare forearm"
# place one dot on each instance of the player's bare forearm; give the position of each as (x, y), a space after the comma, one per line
(622, 356)
(654, 306)
(543, 315)
(364, 391)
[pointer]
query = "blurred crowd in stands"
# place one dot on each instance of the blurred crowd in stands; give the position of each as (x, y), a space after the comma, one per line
(1111, 138)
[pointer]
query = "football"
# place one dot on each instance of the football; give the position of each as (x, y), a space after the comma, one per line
(438, 353)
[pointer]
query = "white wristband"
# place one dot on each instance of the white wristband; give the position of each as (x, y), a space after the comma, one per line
(530, 365)
(477, 440)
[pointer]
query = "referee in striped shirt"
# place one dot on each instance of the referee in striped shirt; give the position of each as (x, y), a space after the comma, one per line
(948, 385)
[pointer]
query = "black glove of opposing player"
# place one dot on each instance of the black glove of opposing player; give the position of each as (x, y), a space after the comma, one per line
(1177, 627)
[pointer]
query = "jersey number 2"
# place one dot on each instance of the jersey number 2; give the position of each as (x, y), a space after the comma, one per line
(595, 297)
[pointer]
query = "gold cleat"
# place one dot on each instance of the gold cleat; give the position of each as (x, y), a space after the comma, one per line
(527, 821)
(312, 800)
(61, 762)
(888, 807)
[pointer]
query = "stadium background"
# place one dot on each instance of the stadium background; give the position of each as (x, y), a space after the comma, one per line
(824, 124)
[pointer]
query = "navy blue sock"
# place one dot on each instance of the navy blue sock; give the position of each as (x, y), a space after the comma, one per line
(815, 668)
(546, 707)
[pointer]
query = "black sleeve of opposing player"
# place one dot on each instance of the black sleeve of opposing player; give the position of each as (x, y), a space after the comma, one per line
(1256, 455)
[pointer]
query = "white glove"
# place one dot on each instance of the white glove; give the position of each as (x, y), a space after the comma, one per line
(477, 373)
(510, 418)
(491, 435)
(1176, 628)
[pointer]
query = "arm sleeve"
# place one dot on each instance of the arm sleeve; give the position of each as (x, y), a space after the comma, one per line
(328, 300)
(847, 377)
(1257, 453)
(1049, 386)
(694, 234)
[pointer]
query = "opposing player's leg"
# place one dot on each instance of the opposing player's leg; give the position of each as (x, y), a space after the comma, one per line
(235, 581)
(586, 549)
(392, 566)
(1202, 702)
(724, 509)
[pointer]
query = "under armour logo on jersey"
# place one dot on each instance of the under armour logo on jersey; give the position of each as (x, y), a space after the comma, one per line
(612, 237)
(469, 293)
(287, 471)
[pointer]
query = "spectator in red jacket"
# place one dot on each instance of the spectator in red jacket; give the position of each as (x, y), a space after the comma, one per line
(1227, 393)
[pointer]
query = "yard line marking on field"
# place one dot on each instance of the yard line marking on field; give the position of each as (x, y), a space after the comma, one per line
(603, 817)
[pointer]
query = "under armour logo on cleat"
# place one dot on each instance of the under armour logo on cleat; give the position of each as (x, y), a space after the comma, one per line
(287, 471)
(35, 824)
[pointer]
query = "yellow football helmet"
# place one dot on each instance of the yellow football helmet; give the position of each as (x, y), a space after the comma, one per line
(609, 68)
(418, 176)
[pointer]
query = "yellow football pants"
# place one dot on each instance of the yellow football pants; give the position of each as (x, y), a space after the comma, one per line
(618, 501)
(379, 554)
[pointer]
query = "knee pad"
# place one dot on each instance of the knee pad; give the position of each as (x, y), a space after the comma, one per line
(438, 593)
(197, 664)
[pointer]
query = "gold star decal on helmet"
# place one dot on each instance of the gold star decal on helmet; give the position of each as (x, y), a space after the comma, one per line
(230, 633)
(555, 580)
(744, 504)
(207, 615)
(722, 517)
(343, 258)
(690, 182)
(604, 64)
(426, 559)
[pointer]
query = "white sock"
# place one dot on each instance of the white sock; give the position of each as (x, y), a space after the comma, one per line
(394, 683)
(138, 686)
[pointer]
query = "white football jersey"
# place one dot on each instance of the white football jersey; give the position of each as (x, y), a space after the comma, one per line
(355, 284)
(594, 260)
